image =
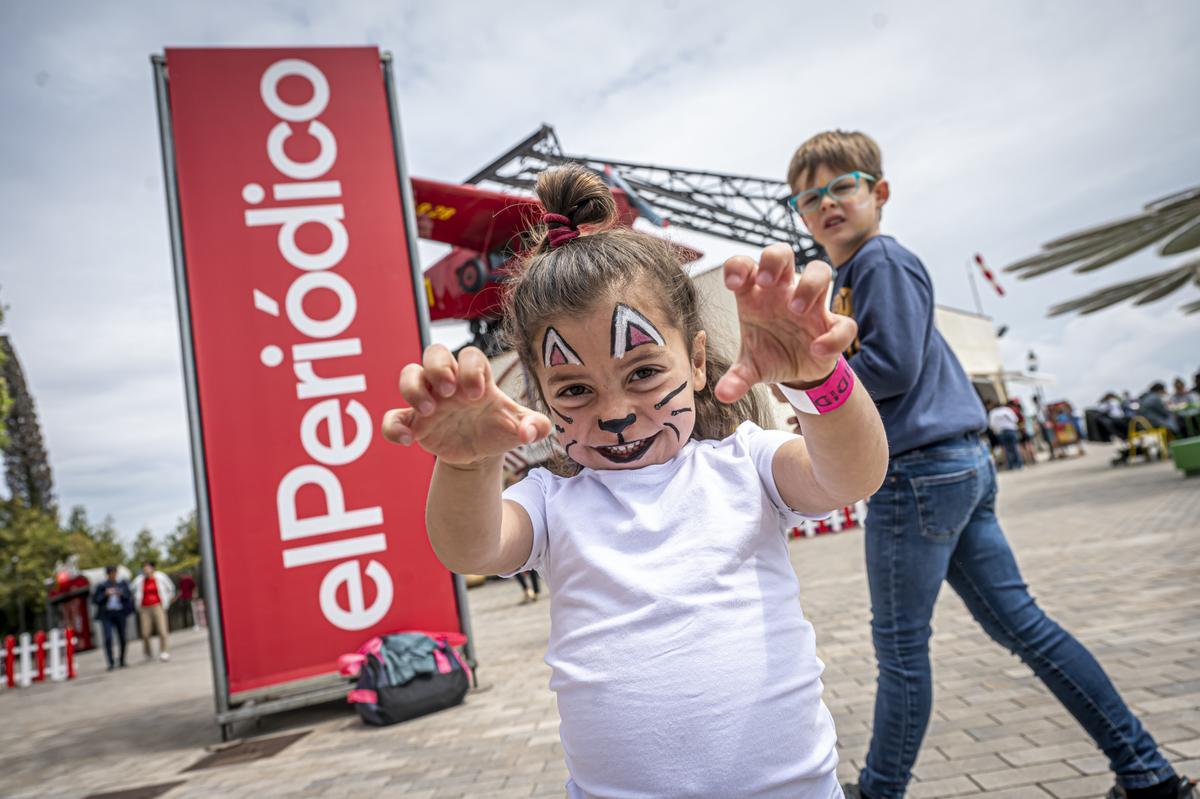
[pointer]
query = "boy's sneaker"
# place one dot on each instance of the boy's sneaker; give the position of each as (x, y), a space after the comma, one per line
(1184, 789)
(164, 657)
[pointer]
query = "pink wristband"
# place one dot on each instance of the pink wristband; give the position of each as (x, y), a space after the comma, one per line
(827, 397)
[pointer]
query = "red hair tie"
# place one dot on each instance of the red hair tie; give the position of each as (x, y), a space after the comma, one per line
(558, 236)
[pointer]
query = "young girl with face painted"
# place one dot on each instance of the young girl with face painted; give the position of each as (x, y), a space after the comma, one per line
(681, 660)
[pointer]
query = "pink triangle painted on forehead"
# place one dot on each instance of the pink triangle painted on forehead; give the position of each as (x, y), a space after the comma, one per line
(638, 336)
(557, 352)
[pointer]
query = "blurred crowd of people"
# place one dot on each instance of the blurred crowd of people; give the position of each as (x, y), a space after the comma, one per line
(1016, 437)
(1158, 406)
(1020, 435)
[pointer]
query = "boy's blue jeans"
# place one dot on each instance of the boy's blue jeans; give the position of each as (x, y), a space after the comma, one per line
(934, 519)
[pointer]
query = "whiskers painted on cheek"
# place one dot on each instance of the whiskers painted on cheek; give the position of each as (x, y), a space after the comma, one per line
(678, 411)
(670, 395)
(678, 437)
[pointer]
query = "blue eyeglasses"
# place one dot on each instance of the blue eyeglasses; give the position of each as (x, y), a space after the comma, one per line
(840, 188)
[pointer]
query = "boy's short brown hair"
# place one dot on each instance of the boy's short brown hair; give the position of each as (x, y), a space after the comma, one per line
(840, 150)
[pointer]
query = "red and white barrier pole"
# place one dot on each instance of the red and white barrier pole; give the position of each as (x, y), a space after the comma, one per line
(10, 660)
(25, 657)
(39, 655)
(70, 654)
(24, 662)
(844, 518)
(56, 645)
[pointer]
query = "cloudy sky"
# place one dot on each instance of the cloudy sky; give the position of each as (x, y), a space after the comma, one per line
(1003, 125)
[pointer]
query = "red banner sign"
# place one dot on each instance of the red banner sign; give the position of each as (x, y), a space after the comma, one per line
(303, 311)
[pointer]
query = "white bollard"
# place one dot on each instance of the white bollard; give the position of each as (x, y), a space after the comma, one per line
(57, 646)
(835, 520)
(860, 512)
(809, 527)
(24, 663)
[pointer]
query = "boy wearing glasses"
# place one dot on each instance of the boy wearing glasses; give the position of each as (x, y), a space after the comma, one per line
(934, 519)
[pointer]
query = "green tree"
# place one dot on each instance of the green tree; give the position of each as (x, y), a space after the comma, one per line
(107, 547)
(31, 543)
(5, 398)
(183, 543)
(95, 545)
(26, 467)
(144, 548)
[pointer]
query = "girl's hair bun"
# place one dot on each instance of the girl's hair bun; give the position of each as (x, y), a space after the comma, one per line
(579, 194)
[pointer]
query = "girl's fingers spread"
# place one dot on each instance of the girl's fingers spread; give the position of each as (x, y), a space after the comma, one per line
(397, 425)
(474, 372)
(776, 266)
(533, 426)
(441, 370)
(735, 383)
(811, 287)
(739, 273)
(730, 388)
(842, 330)
(819, 270)
(415, 389)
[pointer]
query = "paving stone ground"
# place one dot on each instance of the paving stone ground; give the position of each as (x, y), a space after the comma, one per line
(1114, 555)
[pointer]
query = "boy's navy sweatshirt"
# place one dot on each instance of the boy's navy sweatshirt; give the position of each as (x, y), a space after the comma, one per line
(922, 392)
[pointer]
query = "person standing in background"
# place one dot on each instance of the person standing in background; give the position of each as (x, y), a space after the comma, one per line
(1023, 434)
(1046, 426)
(152, 593)
(530, 585)
(1003, 422)
(187, 591)
(114, 602)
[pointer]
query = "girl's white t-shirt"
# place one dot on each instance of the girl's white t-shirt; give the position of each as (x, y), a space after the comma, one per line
(682, 662)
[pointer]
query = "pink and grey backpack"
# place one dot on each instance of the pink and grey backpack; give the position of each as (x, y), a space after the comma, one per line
(405, 675)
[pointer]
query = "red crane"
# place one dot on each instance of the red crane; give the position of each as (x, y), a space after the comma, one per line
(484, 226)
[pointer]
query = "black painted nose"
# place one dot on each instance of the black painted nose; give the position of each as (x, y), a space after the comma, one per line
(617, 426)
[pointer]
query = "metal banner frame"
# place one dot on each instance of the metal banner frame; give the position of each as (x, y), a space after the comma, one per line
(316, 690)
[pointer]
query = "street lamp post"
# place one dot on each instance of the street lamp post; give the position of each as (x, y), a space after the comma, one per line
(1031, 363)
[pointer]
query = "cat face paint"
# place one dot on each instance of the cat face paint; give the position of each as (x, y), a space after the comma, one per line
(628, 400)
(631, 329)
(674, 411)
(556, 351)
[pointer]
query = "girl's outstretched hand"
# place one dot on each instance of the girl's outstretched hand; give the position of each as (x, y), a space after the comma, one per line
(457, 412)
(788, 333)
